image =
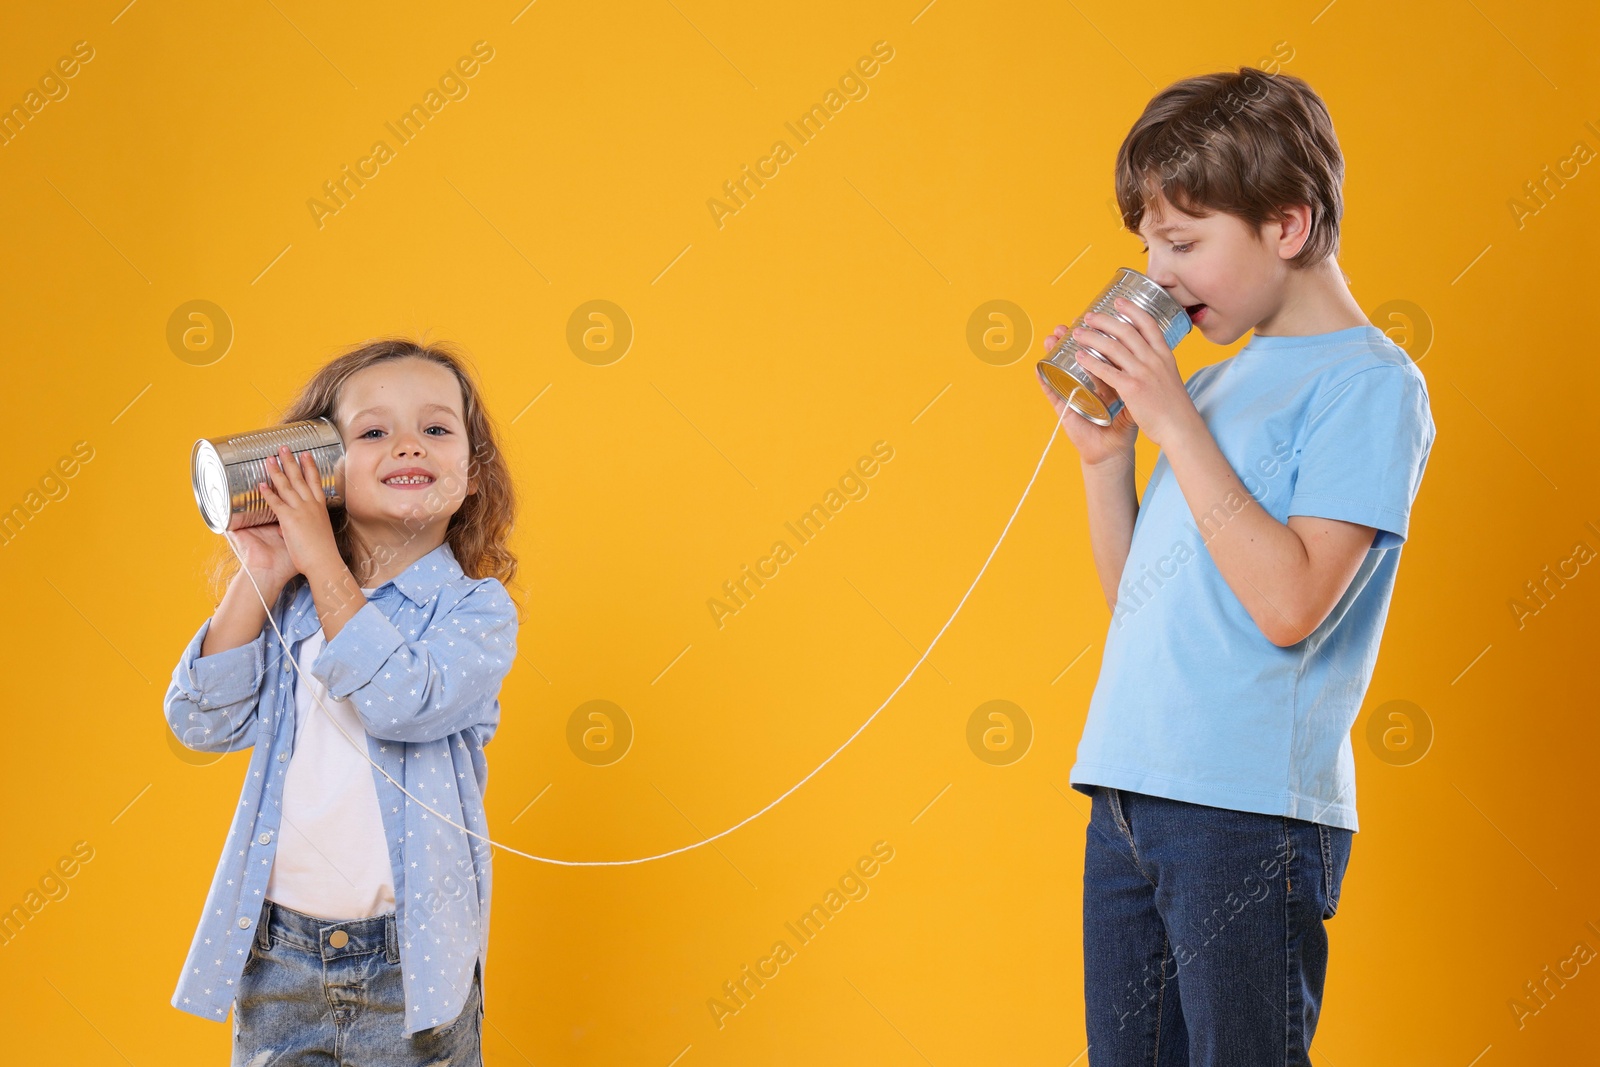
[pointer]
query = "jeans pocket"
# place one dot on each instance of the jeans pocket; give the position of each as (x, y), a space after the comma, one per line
(254, 955)
(471, 1013)
(1335, 842)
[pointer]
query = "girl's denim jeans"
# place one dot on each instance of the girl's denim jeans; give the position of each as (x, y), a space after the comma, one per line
(325, 991)
(1203, 937)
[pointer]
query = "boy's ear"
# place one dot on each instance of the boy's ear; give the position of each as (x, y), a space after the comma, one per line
(1293, 229)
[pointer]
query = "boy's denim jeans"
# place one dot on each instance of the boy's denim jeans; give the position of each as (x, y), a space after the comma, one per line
(325, 991)
(1203, 936)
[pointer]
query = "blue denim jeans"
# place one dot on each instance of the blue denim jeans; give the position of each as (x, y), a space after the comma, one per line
(329, 993)
(1203, 937)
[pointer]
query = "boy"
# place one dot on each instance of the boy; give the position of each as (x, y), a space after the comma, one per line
(1248, 589)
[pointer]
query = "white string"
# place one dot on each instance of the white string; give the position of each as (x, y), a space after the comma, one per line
(362, 749)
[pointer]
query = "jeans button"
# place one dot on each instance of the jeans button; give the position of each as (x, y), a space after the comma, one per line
(338, 939)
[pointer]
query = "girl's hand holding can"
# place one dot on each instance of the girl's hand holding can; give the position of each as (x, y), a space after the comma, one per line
(266, 557)
(294, 492)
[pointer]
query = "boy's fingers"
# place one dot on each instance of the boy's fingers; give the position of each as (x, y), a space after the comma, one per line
(1105, 346)
(1105, 371)
(1110, 324)
(1146, 326)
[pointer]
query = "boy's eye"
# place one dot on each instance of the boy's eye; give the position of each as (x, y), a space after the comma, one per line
(1181, 248)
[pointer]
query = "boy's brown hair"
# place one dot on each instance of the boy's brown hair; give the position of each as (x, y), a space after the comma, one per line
(479, 531)
(1245, 143)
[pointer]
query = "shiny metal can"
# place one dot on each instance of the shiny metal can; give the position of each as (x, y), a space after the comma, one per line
(1076, 385)
(226, 471)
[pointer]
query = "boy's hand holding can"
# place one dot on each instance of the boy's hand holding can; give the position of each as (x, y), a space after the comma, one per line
(1141, 368)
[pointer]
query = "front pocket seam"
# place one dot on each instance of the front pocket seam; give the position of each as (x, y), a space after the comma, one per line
(1330, 902)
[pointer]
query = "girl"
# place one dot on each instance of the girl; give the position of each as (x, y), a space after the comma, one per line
(346, 922)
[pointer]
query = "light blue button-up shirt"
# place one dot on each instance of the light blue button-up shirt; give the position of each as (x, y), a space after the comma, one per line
(421, 662)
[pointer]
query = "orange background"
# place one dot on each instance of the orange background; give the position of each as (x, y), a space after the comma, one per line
(768, 354)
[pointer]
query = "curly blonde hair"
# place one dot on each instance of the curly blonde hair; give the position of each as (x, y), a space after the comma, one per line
(479, 531)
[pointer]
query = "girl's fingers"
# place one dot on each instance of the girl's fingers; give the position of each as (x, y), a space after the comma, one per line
(312, 476)
(275, 494)
(289, 472)
(293, 474)
(274, 474)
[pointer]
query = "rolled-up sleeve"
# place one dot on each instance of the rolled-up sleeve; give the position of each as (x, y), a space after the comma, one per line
(445, 681)
(212, 700)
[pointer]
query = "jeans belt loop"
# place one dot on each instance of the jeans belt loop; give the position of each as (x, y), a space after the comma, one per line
(391, 939)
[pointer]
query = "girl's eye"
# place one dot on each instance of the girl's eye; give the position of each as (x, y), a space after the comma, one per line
(1182, 248)
(376, 430)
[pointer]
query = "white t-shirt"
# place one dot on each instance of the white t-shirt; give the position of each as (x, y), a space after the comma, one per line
(333, 856)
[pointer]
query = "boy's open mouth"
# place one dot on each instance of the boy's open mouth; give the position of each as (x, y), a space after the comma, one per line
(1193, 309)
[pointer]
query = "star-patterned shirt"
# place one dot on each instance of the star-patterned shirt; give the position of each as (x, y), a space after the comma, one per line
(421, 662)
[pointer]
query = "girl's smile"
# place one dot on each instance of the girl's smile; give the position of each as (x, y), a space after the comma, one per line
(409, 478)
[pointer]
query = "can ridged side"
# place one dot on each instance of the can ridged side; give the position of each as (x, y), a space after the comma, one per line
(1075, 384)
(226, 471)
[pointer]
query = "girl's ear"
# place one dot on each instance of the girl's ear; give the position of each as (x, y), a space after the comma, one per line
(480, 455)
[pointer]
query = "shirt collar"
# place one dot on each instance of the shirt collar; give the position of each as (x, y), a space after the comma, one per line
(422, 579)
(419, 582)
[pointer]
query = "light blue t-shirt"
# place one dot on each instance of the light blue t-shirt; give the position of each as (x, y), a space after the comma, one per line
(1193, 702)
